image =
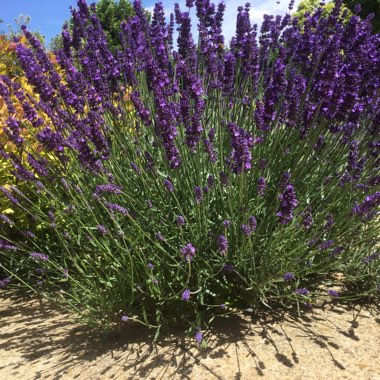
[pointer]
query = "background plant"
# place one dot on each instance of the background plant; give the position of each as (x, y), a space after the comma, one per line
(110, 13)
(183, 184)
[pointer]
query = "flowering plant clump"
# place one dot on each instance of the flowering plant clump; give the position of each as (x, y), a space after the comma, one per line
(233, 175)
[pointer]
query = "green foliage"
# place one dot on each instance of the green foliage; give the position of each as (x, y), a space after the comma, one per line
(310, 6)
(368, 6)
(110, 13)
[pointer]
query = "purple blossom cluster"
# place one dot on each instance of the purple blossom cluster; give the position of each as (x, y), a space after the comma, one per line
(5, 282)
(288, 202)
(222, 244)
(367, 208)
(188, 252)
(38, 256)
(302, 291)
(288, 276)
(241, 142)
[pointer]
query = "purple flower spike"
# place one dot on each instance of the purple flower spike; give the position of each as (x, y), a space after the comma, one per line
(180, 220)
(188, 251)
(124, 318)
(333, 293)
(302, 291)
(102, 230)
(246, 229)
(198, 194)
(39, 256)
(226, 223)
(186, 295)
(241, 142)
(288, 203)
(261, 186)
(199, 336)
(107, 188)
(5, 282)
(222, 244)
(288, 276)
(252, 222)
(228, 267)
(168, 185)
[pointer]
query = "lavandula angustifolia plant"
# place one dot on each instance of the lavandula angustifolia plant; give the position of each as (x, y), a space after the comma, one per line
(135, 138)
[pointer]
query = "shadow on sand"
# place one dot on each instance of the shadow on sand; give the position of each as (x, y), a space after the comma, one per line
(36, 332)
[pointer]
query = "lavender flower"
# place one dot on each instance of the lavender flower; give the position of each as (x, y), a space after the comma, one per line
(252, 223)
(5, 245)
(159, 236)
(108, 188)
(198, 194)
(288, 202)
(302, 291)
(188, 251)
(241, 142)
(210, 181)
(325, 245)
(180, 220)
(135, 168)
(199, 336)
(366, 208)
(223, 178)
(226, 223)
(150, 266)
(114, 207)
(288, 276)
(228, 267)
(5, 282)
(336, 251)
(39, 256)
(261, 186)
(186, 295)
(307, 221)
(124, 318)
(102, 230)
(371, 258)
(333, 293)
(168, 185)
(222, 244)
(247, 230)
(210, 150)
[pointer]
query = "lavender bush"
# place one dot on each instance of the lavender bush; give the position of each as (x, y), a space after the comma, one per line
(189, 180)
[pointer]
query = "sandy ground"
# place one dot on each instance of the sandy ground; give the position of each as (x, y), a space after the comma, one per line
(330, 342)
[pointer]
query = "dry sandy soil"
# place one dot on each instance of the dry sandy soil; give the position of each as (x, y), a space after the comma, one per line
(330, 342)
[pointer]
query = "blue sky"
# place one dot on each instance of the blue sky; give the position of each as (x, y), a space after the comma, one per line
(47, 16)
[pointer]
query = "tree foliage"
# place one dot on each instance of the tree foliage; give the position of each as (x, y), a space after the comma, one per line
(367, 7)
(110, 13)
(310, 6)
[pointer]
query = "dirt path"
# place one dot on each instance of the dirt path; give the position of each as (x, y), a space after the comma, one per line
(334, 342)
